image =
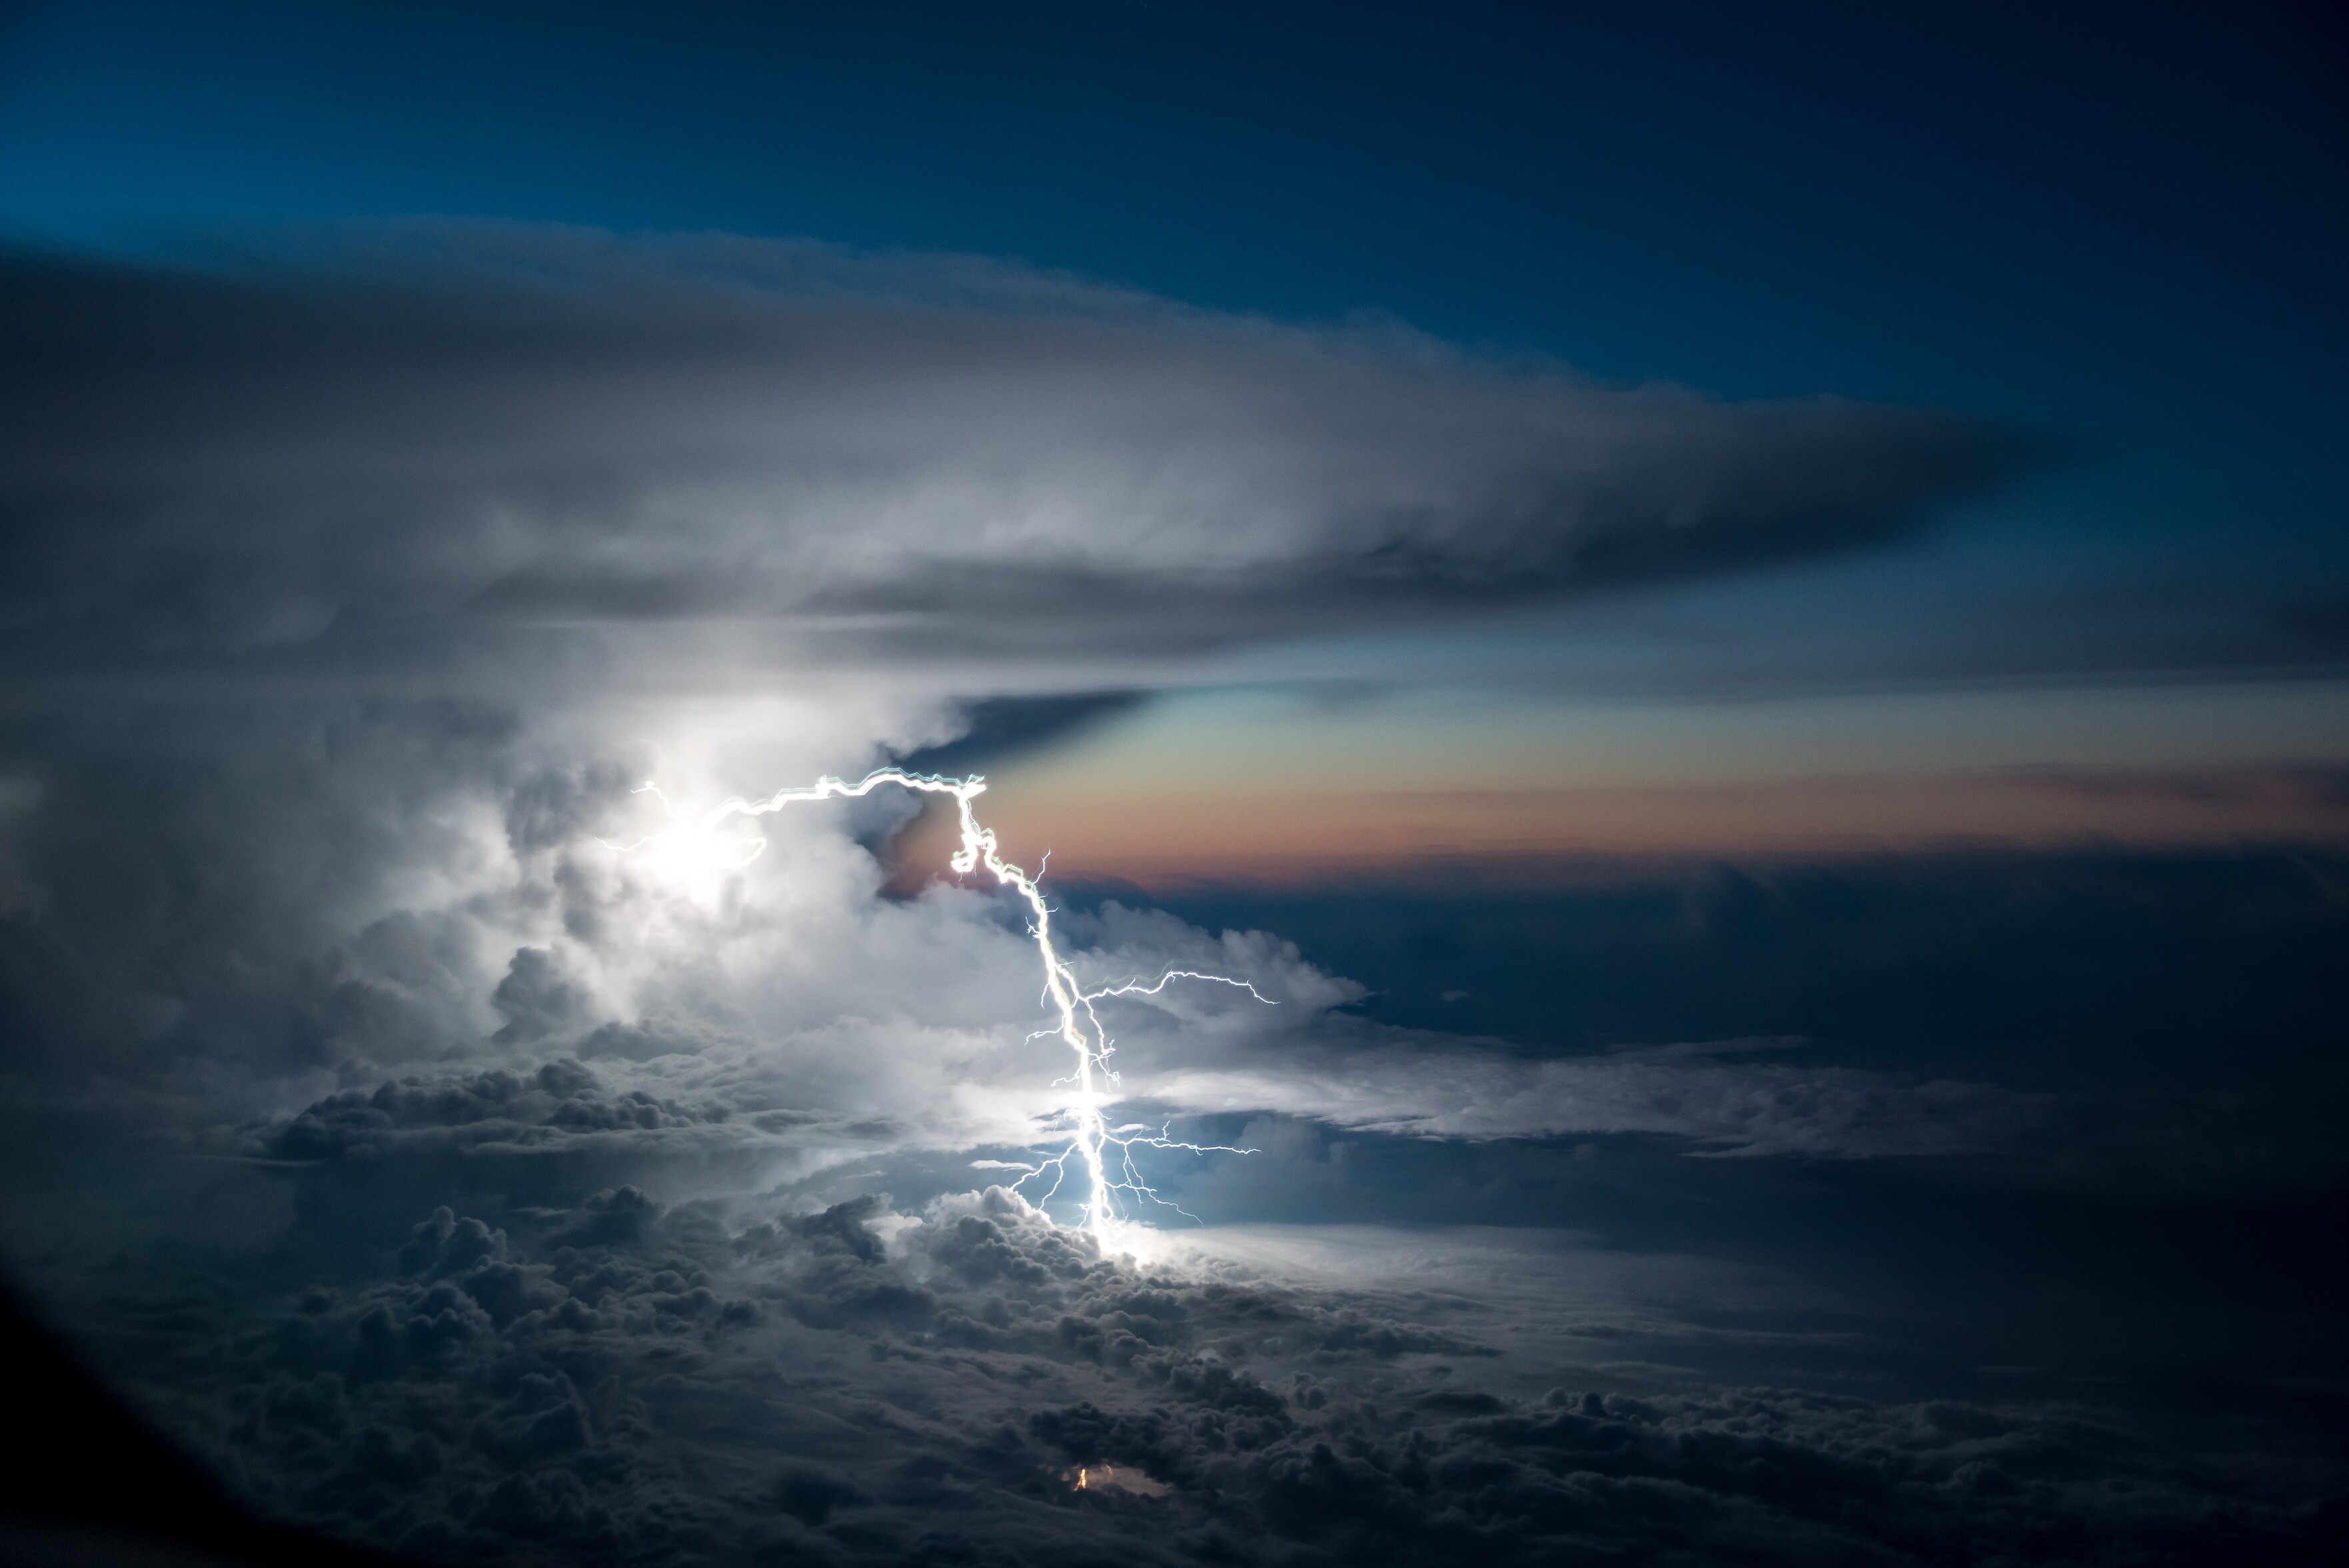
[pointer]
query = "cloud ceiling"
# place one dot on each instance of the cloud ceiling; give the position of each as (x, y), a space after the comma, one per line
(350, 442)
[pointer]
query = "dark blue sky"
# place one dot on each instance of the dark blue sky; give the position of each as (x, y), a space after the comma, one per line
(2123, 217)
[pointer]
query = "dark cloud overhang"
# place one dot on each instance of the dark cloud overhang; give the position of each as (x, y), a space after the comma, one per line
(1002, 727)
(520, 431)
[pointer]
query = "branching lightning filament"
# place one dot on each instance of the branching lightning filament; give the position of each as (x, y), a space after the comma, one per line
(1115, 1183)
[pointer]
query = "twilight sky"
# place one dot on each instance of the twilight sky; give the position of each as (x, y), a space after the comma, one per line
(1740, 622)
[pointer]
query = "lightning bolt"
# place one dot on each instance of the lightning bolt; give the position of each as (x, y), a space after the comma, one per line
(1104, 1153)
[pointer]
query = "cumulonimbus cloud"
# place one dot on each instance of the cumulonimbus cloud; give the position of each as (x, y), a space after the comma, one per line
(463, 1183)
(353, 443)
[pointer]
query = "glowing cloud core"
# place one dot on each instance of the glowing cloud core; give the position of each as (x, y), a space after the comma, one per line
(1113, 1180)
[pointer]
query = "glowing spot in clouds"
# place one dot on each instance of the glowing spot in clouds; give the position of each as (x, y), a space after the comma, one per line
(698, 846)
(1109, 1478)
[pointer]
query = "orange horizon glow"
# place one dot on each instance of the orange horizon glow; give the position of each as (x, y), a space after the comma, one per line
(1297, 834)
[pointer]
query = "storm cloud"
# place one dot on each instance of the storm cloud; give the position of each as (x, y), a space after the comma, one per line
(450, 1178)
(351, 447)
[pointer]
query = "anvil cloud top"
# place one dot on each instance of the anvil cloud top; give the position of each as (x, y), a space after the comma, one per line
(324, 440)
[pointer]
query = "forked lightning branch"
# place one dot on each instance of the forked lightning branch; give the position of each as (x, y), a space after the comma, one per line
(1112, 1181)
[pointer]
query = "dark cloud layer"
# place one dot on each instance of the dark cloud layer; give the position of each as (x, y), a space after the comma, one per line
(346, 445)
(613, 1377)
(2058, 968)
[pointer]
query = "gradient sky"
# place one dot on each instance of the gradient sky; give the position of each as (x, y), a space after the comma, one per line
(1737, 619)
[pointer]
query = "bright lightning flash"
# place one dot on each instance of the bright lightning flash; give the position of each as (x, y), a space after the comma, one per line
(1111, 1177)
